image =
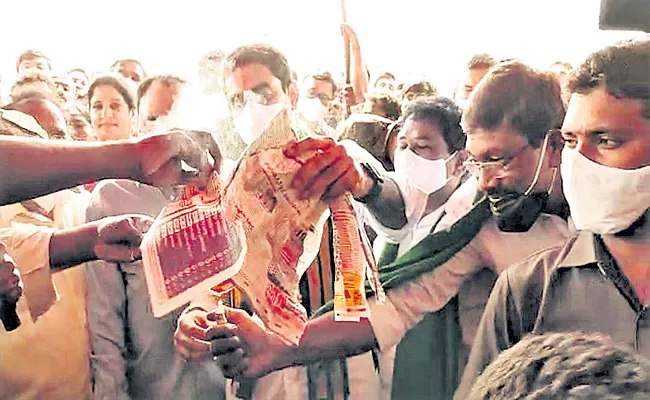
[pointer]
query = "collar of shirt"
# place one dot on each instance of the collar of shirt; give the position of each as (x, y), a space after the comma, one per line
(582, 252)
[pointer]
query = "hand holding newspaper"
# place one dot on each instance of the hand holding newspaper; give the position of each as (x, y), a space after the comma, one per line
(275, 235)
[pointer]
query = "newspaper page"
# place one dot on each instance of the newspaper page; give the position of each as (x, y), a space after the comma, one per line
(278, 226)
(284, 236)
(190, 248)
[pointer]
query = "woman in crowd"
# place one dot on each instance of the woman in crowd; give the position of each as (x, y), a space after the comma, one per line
(112, 108)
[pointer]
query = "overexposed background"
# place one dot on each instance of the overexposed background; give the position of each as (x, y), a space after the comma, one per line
(412, 38)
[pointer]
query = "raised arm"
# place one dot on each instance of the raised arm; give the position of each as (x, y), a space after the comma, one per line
(34, 167)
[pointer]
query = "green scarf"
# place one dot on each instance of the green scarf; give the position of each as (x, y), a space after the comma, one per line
(426, 363)
(433, 251)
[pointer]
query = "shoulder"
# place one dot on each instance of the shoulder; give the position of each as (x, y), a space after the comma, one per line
(532, 272)
(120, 196)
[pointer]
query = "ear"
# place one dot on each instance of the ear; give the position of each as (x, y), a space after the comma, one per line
(293, 93)
(555, 146)
(457, 168)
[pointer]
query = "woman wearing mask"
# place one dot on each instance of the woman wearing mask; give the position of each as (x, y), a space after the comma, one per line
(112, 108)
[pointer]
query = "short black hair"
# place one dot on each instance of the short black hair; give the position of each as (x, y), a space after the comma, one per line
(117, 82)
(146, 84)
(568, 365)
(622, 69)
(389, 105)
(562, 64)
(30, 55)
(518, 96)
(482, 60)
(78, 70)
(443, 112)
(324, 76)
(385, 75)
(262, 54)
(116, 63)
(423, 88)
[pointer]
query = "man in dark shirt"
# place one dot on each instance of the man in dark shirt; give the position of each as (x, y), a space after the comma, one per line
(599, 280)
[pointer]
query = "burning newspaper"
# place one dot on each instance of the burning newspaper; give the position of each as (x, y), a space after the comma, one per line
(190, 248)
(282, 238)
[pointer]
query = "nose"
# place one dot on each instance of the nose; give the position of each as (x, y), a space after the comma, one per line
(587, 149)
(487, 181)
(106, 112)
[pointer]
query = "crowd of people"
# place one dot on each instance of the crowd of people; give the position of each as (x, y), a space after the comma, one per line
(510, 224)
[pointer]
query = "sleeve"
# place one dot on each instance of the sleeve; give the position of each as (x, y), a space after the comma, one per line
(29, 246)
(106, 324)
(495, 333)
(106, 309)
(406, 305)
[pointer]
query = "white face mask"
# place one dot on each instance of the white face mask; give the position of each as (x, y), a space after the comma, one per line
(312, 109)
(602, 199)
(426, 175)
(254, 118)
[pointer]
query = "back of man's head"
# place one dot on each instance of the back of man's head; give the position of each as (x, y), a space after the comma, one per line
(622, 69)
(567, 366)
(45, 111)
(515, 96)
(482, 60)
(166, 80)
(261, 54)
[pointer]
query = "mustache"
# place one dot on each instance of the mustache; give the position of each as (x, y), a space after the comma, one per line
(502, 193)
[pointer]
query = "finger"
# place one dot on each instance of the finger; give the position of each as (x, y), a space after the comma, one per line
(199, 154)
(192, 328)
(295, 149)
(311, 169)
(319, 172)
(221, 331)
(343, 184)
(224, 346)
(9, 280)
(195, 345)
(232, 364)
(331, 177)
(117, 253)
(206, 141)
(119, 230)
(14, 294)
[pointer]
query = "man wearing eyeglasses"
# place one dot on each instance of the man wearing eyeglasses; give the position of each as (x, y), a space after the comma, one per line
(316, 94)
(599, 279)
(514, 151)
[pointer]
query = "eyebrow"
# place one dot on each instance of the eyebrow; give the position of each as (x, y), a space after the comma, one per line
(260, 87)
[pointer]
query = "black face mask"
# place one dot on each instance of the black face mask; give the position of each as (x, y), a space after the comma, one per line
(517, 212)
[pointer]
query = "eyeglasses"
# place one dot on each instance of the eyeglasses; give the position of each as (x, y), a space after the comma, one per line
(264, 97)
(496, 169)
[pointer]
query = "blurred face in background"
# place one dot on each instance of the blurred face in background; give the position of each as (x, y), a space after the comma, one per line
(156, 105)
(39, 63)
(385, 85)
(131, 70)
(80, 82)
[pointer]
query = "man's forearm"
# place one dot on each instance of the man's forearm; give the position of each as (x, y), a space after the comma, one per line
(70, 247)
(326, 339)
(33, 167)
(388, 207)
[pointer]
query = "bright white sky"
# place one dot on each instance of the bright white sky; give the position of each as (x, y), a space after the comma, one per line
(412, 38)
